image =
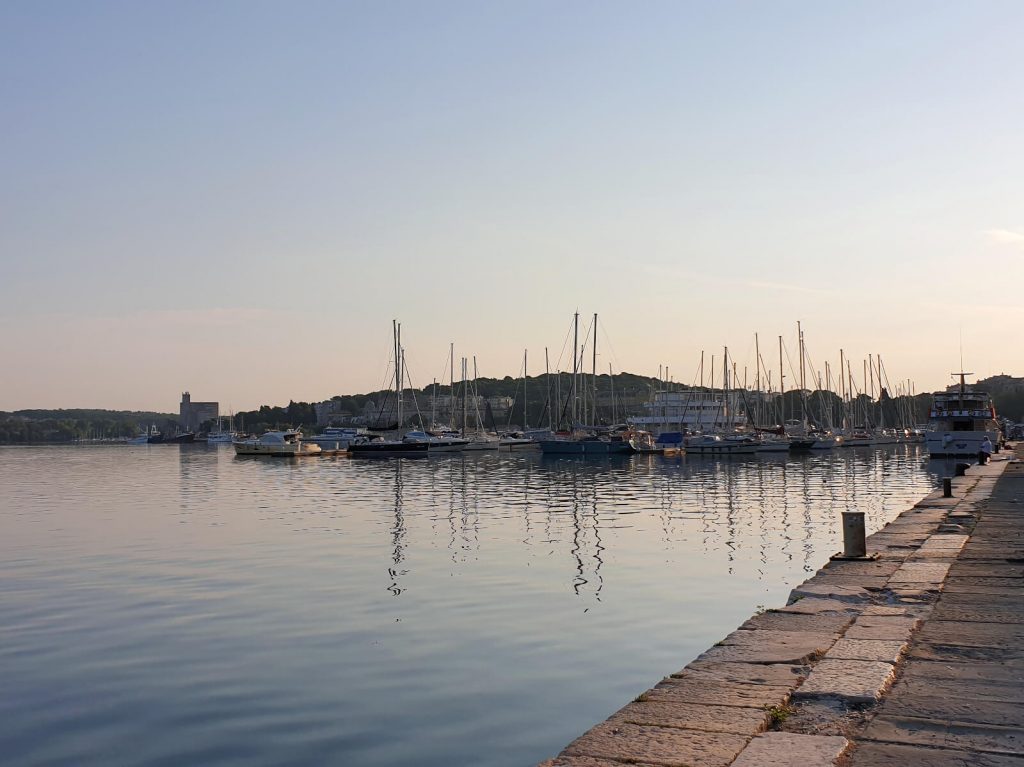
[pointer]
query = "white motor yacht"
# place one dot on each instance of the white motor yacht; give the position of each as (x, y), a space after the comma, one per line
(277, 444)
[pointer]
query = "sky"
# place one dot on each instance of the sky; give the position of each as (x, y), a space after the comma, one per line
(237, 198)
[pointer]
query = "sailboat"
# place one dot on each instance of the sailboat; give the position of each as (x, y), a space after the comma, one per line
(581, 440)
(375, 446)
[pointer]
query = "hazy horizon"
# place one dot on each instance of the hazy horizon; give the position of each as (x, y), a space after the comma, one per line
(236, 199)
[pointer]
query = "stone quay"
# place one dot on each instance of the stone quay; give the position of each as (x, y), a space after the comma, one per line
(911, 655)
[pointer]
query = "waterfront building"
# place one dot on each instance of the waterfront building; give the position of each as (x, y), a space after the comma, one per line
(191, 415)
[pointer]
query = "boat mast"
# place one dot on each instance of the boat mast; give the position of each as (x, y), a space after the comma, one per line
(525, 400)
(758, 415)
(803, 374)
(611, 386)
(575, 366)
(464, 382)
(593, 377)
(782, 389)
(451, 385)
(547, 382)
(842, 390)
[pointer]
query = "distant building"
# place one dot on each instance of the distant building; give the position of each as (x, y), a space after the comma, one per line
(193, 414)
(330, 413)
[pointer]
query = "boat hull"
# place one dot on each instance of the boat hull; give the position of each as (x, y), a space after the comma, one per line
(583, 447)
(389, 450)
(953, 444)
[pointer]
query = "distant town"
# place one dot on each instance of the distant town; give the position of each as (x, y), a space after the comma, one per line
(496, 403)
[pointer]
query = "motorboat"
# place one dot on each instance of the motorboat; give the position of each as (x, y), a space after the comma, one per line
(517, 440)
(335, 437)
(279, 444)
(961, 420)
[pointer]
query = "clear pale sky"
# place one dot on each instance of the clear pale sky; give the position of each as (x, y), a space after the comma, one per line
(236, 198)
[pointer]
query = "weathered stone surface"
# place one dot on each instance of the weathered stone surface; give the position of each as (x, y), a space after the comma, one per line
(853, 681)
(657, 745)
(815, 606)
(694, 716)
(587, 761)
(953, 689)
(878, 568)
(769, 647)
(778, 621)
(920, 572)
(942, 734)
(784, 749)
(884, 650)
(843, 593)
(960, 709)
(1011, 655)
(972, 634)
(894, 627)
(1002, 612)
(879, 610)
(868, 754)
(945, 541)
(697, 688)
(777, 674)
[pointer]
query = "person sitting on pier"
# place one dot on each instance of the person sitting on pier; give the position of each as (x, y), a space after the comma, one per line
(984, 450)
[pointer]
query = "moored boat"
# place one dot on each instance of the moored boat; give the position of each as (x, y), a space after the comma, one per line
(960, 421)
(278, 444)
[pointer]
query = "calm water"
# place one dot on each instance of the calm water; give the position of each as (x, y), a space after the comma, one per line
(177, 605)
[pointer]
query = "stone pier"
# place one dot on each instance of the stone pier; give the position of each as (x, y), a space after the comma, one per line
(915, 657)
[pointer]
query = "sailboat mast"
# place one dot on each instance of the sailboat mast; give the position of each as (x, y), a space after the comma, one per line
(575, 365)
(525, 400)
(782, 388)
(547, 381)
(611, 387)
(593, 377)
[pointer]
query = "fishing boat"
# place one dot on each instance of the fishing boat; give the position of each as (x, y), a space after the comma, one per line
(277, 444)
(960, 420)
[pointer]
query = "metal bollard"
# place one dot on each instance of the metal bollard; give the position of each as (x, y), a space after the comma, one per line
(854, 543)
(961, 469)
(947, 487)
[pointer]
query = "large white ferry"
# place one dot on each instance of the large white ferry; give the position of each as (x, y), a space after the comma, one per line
(693, 410)
(960, 419)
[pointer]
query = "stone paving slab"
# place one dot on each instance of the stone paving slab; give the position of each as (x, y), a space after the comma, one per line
(894, 627)
(694, 716)
(587, 761)
(840, 591)
(972, 633)
(920, 572)
(666, 746)
(956, 709)
(853, 681)
(792, 647)
(868, 754)
(776, 674)
(1001, 612)
(815, 606)
(880, 568)
(953, 689)
(986, 570)
(694, 688)
(785, 749)
(779, 621)
(945, 734)
(884, 650)
(1011, 655)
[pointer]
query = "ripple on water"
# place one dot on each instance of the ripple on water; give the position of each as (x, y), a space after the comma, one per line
(171, 605)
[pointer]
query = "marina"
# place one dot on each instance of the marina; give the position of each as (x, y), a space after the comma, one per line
(486, 607)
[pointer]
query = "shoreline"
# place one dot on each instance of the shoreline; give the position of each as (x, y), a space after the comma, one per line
(815, 665)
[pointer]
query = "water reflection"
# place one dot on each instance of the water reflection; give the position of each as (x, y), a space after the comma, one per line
(306, 611)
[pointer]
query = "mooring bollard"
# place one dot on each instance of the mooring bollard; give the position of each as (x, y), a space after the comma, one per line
(961, 469)
(854, 543)
(947, 487)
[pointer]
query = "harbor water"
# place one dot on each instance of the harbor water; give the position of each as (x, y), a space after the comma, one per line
(168, 605)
